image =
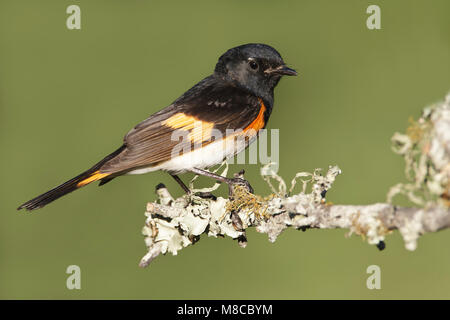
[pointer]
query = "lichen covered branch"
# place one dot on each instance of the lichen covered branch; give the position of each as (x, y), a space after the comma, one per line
(173, 224)
(425, 148)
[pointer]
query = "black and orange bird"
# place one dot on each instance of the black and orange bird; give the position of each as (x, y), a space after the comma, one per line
(195, 131)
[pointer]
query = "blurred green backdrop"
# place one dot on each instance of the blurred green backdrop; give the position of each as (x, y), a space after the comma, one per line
(67, 97)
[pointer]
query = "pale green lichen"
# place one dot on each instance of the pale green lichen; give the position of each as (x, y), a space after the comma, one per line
(425, 148)
(320, 184)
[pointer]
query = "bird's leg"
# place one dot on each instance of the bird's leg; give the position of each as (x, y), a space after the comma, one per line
(181, 183)
(232, 182)
(206, 195)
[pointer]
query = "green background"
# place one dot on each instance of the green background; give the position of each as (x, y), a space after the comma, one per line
(67, 97)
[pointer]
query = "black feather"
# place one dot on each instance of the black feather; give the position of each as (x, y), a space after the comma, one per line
(66, 187)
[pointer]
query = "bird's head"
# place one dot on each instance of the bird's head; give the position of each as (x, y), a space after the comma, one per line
(255, 67)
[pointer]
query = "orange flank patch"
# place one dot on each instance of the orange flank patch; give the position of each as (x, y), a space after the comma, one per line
(258, 123)
(249, 132)
(200, 131)
(94, 177)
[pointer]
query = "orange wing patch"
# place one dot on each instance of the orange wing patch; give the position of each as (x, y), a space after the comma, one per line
(94, 177)
(200, 131)
(180, 121)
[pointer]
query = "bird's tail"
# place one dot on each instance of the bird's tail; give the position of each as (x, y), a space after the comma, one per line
(91, 175)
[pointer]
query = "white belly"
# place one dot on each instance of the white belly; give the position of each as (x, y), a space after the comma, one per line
(202, 157)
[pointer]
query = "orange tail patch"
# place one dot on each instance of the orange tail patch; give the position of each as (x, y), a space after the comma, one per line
(94, 177)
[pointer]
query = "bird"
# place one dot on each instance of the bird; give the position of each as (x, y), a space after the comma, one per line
(214, 120)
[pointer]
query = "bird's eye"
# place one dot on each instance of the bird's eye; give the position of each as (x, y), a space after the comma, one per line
(253, 64)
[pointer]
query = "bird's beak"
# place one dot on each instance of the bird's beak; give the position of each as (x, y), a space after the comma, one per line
(282, 70)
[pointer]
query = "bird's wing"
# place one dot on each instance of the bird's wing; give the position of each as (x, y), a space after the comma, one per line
(188, 121)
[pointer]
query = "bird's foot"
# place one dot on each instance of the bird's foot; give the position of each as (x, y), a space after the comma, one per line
(206, 195)
(238, 182)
